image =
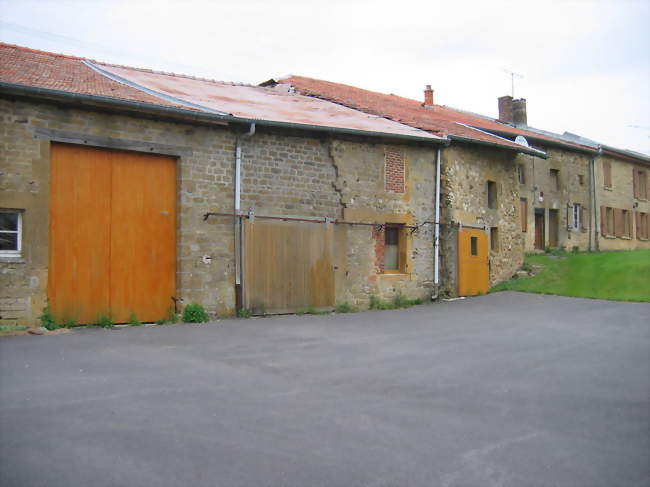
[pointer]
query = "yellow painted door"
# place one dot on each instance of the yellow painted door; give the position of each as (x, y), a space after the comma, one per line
(473, 262)
(112, 234)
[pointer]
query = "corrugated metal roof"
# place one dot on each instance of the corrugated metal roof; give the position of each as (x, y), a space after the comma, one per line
(260, 103)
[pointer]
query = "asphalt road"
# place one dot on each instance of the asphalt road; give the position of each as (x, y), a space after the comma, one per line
(501, 390)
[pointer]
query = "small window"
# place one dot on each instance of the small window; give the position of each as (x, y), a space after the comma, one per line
(642, 226)
(494, 239)
(473, 242)
(521, 173)
(581, 180)
(609, 220)
(555, 179)
(10, 233)
(577, 213)
(492, 194)
(607, 175)
(391, 249)
(627, 230)
(640, 189)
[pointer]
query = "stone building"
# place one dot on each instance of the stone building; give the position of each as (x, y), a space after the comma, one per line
(551, 194)
(108, 174)
(480, 190)
(585, 195)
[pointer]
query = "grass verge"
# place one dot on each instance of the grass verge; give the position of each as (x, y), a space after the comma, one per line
(618, 276)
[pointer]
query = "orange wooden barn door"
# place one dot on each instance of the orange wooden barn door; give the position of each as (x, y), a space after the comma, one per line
(473, 262)
(112, 234)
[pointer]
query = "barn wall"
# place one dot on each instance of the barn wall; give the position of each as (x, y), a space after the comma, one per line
(281, 175)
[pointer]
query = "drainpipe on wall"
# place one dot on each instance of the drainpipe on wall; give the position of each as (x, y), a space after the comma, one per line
(594, 198)
(238, 226)
(436, 246)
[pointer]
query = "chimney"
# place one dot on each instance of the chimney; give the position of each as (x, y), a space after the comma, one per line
(428, 96)
(505, 109)
(519, 116)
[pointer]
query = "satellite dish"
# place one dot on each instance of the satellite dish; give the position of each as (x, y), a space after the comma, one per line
(521, 140)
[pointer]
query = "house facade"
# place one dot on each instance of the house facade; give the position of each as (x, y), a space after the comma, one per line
(123, 201)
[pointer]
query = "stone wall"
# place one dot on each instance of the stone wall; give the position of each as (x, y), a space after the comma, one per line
(541, 193)
(282, 174)
(204, 184)
(466, 171)
(621, 196)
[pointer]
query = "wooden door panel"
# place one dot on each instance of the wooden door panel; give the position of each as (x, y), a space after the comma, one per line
(288, 266)
(112, 234)
(143, 236)
(473, 262)
(79, 256)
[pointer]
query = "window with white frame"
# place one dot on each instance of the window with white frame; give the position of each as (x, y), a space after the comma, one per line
(11, 223)
(577, 211)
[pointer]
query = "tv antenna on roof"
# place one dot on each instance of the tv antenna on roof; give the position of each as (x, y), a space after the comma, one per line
(513, 75)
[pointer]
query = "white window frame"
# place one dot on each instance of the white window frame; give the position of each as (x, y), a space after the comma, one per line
(18, 231)
(577, 212)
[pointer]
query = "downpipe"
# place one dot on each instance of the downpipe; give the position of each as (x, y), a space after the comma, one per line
(436, 238)
(239, 237)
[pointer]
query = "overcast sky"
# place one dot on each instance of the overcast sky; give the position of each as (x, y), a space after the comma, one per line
(585, 64)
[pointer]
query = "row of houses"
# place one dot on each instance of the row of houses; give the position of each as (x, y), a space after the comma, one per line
(131, 192)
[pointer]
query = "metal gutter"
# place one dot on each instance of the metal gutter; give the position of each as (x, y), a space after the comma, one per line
(194, 115)
(523, 149)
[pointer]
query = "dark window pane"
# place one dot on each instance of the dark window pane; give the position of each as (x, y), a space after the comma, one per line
(474, 244)
(8, 241)
(9, 221)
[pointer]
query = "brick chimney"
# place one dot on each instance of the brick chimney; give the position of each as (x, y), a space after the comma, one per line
(505, 109)
(428, 96)
(519, 116)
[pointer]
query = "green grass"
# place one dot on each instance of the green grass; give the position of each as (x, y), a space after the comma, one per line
(618, 276)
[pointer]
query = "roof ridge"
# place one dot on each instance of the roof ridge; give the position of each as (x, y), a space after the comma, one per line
(355, 88)
(40, 51)
(175, 75)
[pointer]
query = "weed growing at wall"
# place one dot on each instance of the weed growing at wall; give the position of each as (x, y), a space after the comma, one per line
(195, 313)
(133, 320)
(105, 320)
(244, 313)
(47, 319)
(345, 307)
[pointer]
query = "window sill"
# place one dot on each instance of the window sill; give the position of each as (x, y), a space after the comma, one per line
(608, 188)
(644, 239)
(625, 238)
(11, 259)
(396, 275)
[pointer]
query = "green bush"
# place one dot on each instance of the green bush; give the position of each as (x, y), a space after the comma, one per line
(526, 267)
(47, 319)
(195, 313)
(105, 320)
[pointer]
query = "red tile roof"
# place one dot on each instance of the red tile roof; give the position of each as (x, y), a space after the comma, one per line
(24, 66)
(437, 119)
